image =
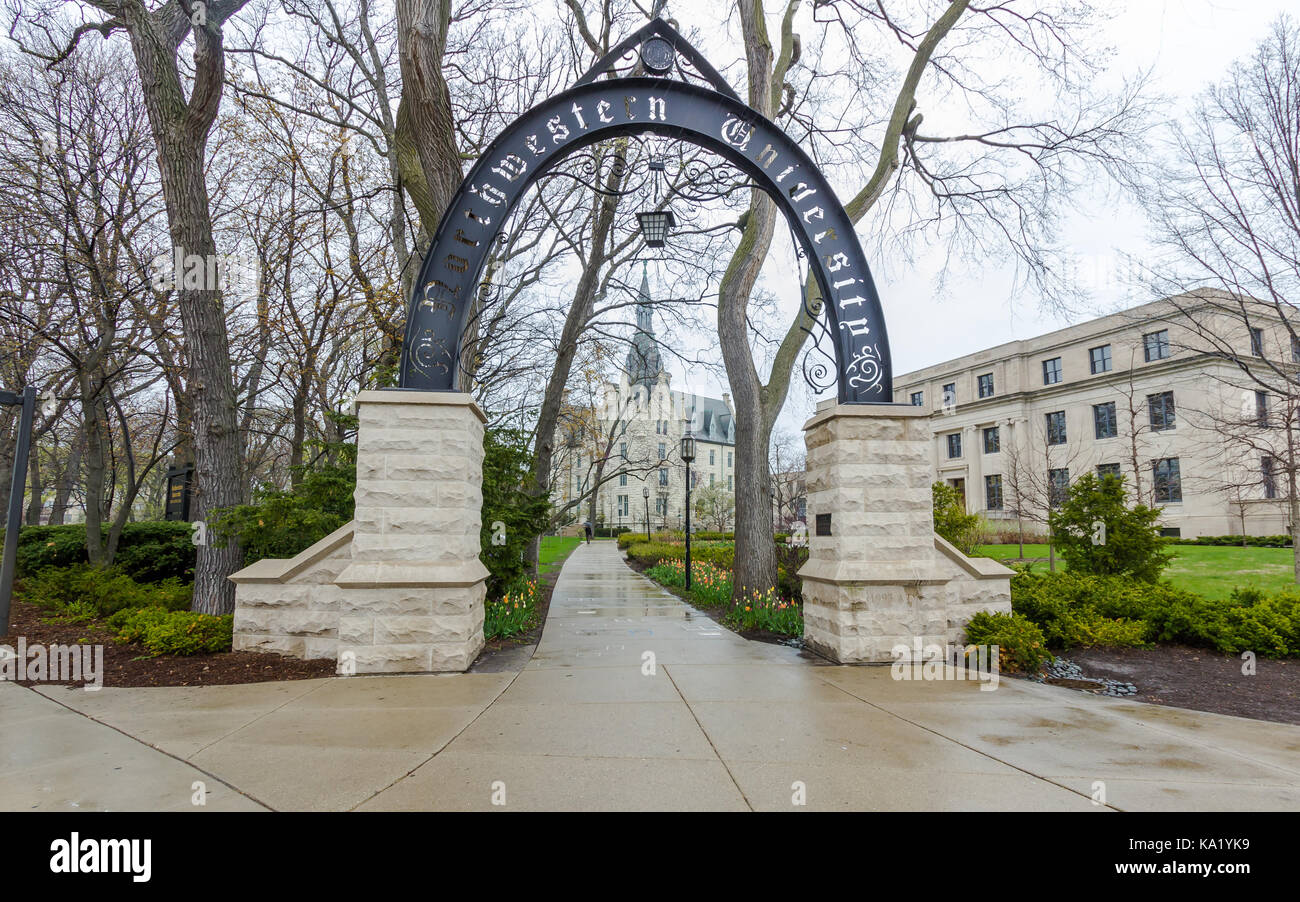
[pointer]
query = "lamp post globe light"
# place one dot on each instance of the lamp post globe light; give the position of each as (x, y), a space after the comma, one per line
(645, 493)
(688, 455)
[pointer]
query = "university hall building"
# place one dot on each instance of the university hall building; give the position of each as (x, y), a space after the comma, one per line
(637, 428)
(1187, 398)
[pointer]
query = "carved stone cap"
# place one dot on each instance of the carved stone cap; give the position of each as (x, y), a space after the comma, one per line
(877, 411)
(416, 396)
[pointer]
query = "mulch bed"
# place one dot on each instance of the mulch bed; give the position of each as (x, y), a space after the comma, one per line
(1200, 679)
(128, 665)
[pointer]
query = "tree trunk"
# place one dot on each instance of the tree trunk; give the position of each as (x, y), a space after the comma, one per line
(1294, 505)
(94, 430)
(71, 472)
(180, 131)
(34, 503)
(755, 564)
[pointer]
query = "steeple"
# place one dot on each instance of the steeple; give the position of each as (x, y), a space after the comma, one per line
(643, 364)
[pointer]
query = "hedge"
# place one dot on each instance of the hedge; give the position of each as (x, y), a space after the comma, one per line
(148, 551)
(1248, 541)
(650, 553)
(1075, 609)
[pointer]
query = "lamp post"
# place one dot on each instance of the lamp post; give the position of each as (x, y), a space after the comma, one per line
(688, 455)
(645, 493)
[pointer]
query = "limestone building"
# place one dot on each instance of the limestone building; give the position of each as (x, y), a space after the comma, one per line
(1177, 395)
(635, 427)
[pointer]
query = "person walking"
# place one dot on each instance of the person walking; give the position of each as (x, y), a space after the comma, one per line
(586, 528)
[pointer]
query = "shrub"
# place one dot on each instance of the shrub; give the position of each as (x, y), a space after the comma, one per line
(1079, 609)
(789, 558)
(1021, 645)
(965, 531)
(1095, 531)
(1240, 541)
(281, 523)
(147, 551)
(722, 554)
(165, 632)
(106, 590)
(628, 539)
(1012, 537)
(507, 471)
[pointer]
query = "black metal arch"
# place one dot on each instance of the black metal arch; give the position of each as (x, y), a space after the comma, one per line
(597, 109)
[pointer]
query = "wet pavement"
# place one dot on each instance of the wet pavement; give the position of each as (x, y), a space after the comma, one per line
(634, 701)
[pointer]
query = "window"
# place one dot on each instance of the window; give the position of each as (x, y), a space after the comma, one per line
(1052, 371)
(711, 460)
(712, 478)
(1257, 342)
(1268, 477)
(1099, 359)
(622, 505)
(1103, 420)
(986, 385)
(1058, 486)
(1170, 532)
(1104, 470)
(1295, 349)
(993, 493)
(1155, 345)
(1261, 408)
(661, 505)
(918, 399)
(663, 451)
(992, 440)
(663, 477)
(622, 450)
(1056, 428)
(622, 479)
(950, 394)
(730, 485)
(1168, 481)
(1161, 407)
(728, 458)
(954, 445)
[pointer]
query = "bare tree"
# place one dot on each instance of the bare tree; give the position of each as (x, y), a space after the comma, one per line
(180, 121)
(996, 186)
(1226, 204)
(1037, 462)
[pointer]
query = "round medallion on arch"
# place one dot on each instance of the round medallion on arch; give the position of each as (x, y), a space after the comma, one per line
(657, 55)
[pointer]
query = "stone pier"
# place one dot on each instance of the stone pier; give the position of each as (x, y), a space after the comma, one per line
(400, 588)
(877, 576)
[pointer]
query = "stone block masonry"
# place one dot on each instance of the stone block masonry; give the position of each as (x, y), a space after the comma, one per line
(400, 588)
(882, 577)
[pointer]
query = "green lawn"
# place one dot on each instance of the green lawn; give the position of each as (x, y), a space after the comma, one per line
(1209, 570)
(554, 550)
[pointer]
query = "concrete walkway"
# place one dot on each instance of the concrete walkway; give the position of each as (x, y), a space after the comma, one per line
(635, 701)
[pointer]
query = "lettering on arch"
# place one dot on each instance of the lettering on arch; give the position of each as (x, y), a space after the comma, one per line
(567, 122)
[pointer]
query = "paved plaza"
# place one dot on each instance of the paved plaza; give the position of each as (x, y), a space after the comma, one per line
(633, 701)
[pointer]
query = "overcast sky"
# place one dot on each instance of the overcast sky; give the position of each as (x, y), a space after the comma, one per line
(1187, 44)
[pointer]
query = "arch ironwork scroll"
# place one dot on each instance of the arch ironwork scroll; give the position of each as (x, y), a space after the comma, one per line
(599, 108)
